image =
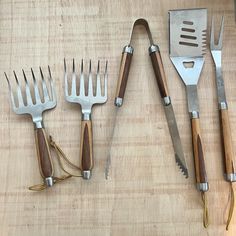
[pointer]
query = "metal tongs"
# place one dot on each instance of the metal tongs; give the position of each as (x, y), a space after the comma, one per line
(158, 68)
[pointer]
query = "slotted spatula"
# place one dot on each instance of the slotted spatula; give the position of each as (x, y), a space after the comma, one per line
(187, 44)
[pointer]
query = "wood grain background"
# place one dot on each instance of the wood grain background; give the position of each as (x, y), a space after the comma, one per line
(146, 194)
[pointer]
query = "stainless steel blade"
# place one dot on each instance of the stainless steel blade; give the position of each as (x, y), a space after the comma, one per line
(108, 160)
(176, 141)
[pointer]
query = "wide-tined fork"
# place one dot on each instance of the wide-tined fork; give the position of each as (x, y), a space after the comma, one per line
(86, 99)
(35, 107)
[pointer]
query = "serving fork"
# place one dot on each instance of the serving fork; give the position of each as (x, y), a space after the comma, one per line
(228, 153)
(216, 52)
(86, 99)
(35, 106)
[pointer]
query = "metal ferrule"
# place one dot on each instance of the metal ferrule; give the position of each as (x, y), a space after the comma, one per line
(230, 177)
(167, 101)
(194, 115)
(128, 49)
(38, 125)
(223, 106)
(203, 187)
(86, 174)
(86, 116)
(153, 48)
(49, 181)
(118, 101)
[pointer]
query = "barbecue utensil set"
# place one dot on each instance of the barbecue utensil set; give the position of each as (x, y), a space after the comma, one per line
(187, 44)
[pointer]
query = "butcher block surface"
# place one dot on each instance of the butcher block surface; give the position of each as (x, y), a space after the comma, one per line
(146, 194)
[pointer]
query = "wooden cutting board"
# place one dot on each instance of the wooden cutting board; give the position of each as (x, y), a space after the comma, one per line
(146, 194)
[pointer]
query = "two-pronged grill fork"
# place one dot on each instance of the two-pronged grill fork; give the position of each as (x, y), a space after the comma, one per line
(34, 104)
(216, 50)
(86, 99)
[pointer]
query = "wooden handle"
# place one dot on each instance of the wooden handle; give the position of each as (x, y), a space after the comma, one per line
(86, 146)
(43, 152)
(227, 142)
(159, 72)
(124, 72)
(200, 170)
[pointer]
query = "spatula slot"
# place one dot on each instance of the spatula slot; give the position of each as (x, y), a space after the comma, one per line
(188, 30)
(187, 22)
(188, 64)
(188, 37)
(188, 44)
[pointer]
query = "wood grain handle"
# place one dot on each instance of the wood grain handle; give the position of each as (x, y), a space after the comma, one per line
(200, 170)
(227, 142)
(86, 146)
(123, 74)
(43, 152)
(159, 70)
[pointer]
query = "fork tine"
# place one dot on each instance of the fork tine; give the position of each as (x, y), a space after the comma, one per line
(98, 90)
(73, 85)
(36, 89)
(105, 80)
(220, 40)
(27, 90)
(11, 93)
(53, 91)
(19, 92)
(90, 82)
(45, 89)
(66, 79)
(82, 89)
(212, 40)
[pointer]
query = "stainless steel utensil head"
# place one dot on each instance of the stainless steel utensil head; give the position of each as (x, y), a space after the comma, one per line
(213, 44)
(187, 32)
(188, 42)
(85, 99)
(216, 52)
(37, 107)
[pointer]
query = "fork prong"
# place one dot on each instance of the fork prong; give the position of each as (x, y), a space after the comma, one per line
(36, 89)
(45, 89)
(90, 82)
(98, 90)
(105, 80)
(82, 89)
(212, 40)
(27, 90)
(19, 92)
(220, 40)
(10, 92)
(53, 92)
(73, 82)
(66, 79)
(218, 45)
